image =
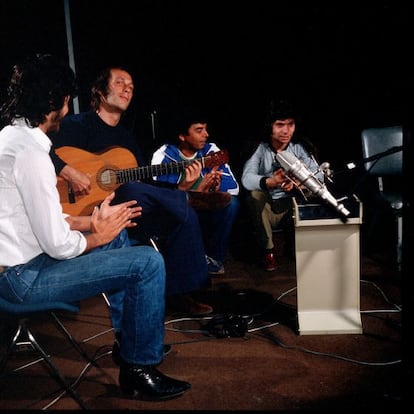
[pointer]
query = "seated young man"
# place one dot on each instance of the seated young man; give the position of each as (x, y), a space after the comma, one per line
(191, 146)
(269, 190)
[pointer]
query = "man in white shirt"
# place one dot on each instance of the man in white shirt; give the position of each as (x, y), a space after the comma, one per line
(46, 254)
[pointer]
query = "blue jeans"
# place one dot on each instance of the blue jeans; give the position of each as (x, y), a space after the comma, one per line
(216, 226)
(168, 218)
(137, 274)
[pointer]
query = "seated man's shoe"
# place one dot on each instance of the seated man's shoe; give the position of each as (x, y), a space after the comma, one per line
(215, 267)
(269, 262)
(186, 304)
(116, 356)
(147, 383)
(213, 200)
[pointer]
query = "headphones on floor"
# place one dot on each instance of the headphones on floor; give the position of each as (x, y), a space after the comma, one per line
(227, 326)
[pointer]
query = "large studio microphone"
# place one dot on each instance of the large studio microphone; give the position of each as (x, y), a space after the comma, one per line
(299, 170)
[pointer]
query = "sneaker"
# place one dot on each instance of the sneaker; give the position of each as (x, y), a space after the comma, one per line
(269, 262)
(215, 267)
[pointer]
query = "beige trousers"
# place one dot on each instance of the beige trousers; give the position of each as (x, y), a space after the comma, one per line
(268, 215)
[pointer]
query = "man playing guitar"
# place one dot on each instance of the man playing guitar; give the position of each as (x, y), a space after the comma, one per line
(166, 212)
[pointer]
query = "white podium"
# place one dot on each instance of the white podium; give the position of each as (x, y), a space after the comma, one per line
(327, 270)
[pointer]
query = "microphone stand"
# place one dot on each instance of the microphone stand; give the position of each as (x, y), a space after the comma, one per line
(375, 157)
(380, 155)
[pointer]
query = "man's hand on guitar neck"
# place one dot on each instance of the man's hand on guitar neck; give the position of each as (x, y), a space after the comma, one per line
(78, 181)
(192, 173)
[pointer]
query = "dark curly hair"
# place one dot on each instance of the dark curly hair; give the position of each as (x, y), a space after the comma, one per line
(38, 86)
(278, 110)
(281, 109)
(189, 115)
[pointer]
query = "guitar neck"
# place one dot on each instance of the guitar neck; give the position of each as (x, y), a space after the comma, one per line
(141, 173)
(111, 168)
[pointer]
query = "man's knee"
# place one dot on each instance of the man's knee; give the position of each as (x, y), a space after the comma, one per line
(257, 195)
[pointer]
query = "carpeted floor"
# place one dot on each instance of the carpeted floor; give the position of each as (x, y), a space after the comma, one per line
(248, 355)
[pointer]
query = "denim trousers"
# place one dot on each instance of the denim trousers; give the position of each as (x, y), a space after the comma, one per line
(216, 226)
(136, 274)
(170, 221)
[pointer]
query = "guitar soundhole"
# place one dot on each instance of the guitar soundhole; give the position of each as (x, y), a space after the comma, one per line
(106, 179)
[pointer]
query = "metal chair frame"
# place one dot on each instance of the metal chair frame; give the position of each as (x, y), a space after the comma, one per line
(20, 316)
(383, 158)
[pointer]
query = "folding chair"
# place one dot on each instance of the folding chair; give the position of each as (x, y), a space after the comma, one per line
(19, 316)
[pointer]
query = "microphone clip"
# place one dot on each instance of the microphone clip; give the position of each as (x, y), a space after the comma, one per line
(325, 168)
(297, 186)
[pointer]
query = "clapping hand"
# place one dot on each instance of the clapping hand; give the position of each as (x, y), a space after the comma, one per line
(109, 220)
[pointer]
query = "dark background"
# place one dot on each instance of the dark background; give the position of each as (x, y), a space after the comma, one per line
(348, 67)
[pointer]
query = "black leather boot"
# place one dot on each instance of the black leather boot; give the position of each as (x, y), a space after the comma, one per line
(147, 383)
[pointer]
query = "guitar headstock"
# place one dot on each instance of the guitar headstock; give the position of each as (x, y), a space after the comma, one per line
(216, 158)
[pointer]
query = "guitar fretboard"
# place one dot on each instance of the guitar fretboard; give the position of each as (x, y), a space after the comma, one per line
(140, 173)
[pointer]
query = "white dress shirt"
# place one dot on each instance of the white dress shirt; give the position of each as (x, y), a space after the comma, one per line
(31, 217)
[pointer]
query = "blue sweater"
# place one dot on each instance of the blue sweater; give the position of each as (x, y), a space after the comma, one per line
(170, 153)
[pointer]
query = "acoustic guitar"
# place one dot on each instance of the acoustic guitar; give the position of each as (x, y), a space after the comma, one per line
(111, 168)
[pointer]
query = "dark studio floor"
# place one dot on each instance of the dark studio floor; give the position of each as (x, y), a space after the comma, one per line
(271, 367)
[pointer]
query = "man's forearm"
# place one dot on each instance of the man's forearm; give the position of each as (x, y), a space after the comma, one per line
(57, 161)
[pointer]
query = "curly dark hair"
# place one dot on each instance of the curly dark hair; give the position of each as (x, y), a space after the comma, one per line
(187, 116)
(280, 109)
(38, 86)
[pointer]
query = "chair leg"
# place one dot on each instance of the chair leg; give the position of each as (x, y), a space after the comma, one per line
(55, 371)
(399, 241)
(23, 331)
(72, 340)
(105, 296)
(19, 333)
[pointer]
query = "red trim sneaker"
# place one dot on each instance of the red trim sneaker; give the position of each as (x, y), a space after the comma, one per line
(269, 262)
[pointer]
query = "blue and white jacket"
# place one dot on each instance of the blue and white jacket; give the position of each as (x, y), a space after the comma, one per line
(170, 153)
